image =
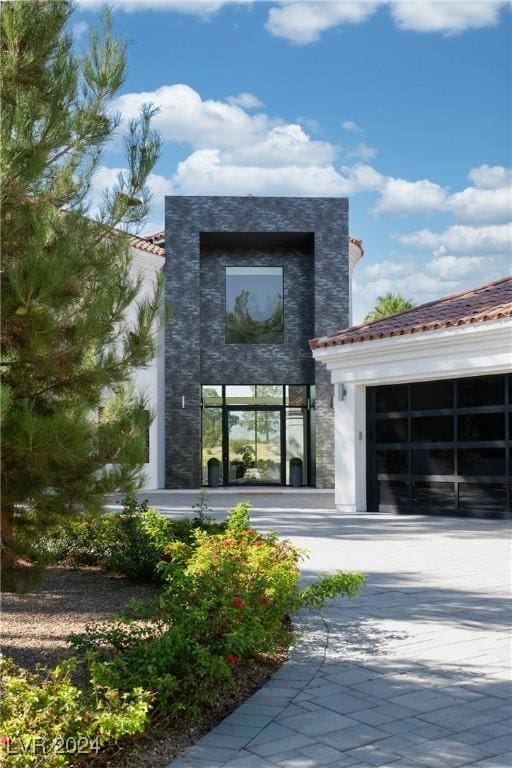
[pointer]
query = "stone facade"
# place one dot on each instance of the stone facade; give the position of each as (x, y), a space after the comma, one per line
(308, 237)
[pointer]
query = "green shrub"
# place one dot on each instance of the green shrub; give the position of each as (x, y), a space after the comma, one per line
(225, 597)
(48, 719)
(130, 542)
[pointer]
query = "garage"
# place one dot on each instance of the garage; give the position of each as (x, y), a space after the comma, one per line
(423, 403)
(440, 447)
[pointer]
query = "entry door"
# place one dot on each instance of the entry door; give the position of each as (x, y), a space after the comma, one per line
(254, 446)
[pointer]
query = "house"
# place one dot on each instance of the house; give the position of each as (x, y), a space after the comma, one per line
(249, 280)
(423, 407)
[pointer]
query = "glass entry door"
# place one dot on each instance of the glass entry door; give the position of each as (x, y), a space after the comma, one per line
(254, 442)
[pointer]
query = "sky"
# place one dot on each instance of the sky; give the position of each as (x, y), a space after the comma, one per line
(403, 107)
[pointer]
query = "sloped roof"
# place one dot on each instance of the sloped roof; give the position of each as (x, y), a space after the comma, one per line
(487, 302)
(142, 244)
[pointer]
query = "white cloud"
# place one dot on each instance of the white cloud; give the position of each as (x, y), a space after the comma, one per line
(402, 197)
(363, 151)
(304, 22)
(482, 206)
(490, 176)
(245, 100)
(464, 240)
(422, 279)
(450, 18)
(352, 126)
(105, 178)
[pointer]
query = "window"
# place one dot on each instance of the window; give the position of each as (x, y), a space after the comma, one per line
(254, 305)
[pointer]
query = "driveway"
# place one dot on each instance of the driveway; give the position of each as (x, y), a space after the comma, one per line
(413, 672)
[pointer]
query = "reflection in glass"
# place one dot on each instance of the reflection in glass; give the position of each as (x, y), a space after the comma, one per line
(212, 438)
(212, 394)
(391, 430)
(392, 398)
(392, 462)
(431, 394)
(432, 462)
(254, 446)
(481, 426)
(295, 440)
(482, 461)
(296, 395)
(394, 493)
(254, 305)
(436, 495)
(479, 497)
(481, 390)
(269, 394)
(240, 395)
(432, 429)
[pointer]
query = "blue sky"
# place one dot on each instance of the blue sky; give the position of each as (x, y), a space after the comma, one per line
(404, 107)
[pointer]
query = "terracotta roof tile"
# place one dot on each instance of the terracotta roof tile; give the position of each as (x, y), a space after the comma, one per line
(155, 237)
(488, 302)
(142, 244)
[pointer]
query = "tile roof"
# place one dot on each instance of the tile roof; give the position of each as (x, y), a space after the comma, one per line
(142, 244)
(488, 302)
(155, 237)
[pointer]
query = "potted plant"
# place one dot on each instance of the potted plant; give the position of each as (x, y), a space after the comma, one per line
(296, 472)
(213, 472)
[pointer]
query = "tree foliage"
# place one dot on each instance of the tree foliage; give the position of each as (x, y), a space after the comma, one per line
(68, 345)
(387, 305)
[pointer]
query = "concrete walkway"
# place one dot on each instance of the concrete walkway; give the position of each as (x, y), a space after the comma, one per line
(414, 672)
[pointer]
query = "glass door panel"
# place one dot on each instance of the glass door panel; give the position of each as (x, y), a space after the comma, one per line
(254, 446)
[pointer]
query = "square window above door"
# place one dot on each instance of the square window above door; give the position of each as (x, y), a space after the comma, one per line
(254, 305)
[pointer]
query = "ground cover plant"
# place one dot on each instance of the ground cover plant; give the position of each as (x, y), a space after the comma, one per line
(225, 593)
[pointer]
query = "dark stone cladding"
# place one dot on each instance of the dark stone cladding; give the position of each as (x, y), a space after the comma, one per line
(316, 302)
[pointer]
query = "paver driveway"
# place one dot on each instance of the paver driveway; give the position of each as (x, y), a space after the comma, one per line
(414, 672)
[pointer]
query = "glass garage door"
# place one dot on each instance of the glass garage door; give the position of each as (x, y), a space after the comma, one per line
(441, 447)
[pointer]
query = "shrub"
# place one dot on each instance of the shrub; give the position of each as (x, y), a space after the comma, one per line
(225, 597)
(52, 717)
(130, 542)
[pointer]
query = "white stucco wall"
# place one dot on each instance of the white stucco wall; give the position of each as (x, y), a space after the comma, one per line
(480, 349)
(149, 380)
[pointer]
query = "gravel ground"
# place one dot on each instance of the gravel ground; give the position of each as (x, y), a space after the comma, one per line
(34, 626)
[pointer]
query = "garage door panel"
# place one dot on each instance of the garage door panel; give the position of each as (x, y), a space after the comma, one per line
(440, 447)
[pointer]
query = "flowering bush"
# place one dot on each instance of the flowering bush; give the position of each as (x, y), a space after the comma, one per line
(225, 597)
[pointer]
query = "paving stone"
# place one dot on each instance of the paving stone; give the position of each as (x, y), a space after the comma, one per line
(295, 741)
(352, 737)
(343, 703)
(499, 761)
(231, 729)
(290, 710)
(447, 752)
(425, 701)
(246, 760)
(227, 741)
(272, 732)
(369, 754)
(406, 727)
(319, 722)
(498, 744)
(325, 755)
(207, 752)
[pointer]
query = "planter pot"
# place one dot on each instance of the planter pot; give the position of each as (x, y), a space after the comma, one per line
(295, 476)
(214, 477)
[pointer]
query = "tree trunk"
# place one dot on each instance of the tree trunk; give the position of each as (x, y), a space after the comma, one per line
(6, 530)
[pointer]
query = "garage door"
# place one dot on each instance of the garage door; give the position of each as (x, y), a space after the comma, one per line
(441, 447)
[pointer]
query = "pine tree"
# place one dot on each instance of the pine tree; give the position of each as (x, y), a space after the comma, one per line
(389, 304)
(72, 428)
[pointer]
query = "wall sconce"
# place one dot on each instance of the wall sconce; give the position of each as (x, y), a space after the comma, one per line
(183, 401)
(342, 392)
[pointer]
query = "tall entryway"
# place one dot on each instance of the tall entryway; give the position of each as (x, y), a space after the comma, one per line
(258, 435)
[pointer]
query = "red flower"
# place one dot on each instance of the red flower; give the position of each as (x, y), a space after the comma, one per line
(5, 740)
(265, 600)
(250, 532)
(258, 543)
(166, 557)
(237, 602)
(240, 619)
(232, 659)
(226, 543)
